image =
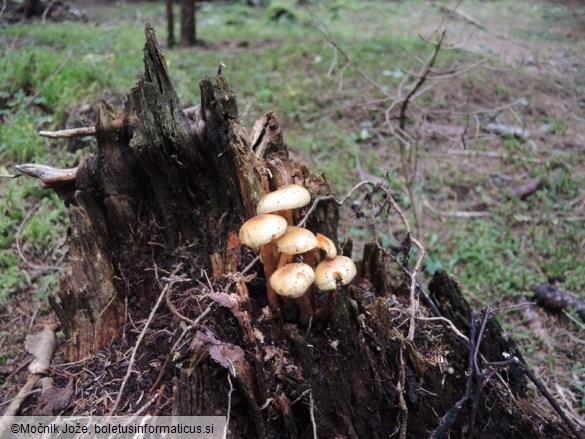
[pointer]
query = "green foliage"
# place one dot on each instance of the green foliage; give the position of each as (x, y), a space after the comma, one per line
(280, 12)
(12, 277)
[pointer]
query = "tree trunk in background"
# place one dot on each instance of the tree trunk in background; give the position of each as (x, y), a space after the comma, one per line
(161, 202)
(188, 23)
(32, 8)
(170, 23)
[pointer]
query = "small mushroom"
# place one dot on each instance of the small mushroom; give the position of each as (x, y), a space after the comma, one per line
(262, 229)
(295, 241)
(259, 232)
(327, 245)
(329, 274)
(292, 280)
(283, 200)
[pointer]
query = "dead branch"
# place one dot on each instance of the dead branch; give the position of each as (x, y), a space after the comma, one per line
(530, 187)
(419, 287)
(312, 414)
(24, 393)
(401, 387)
(557, 300)
(69, 133)
(322, 29)
(462, 16)
(48, 175)
(506, 130)
(456, 214)
(422, 77)
(229, 409)
(493, 154)
(176, 312)
(42, 347)
(449, 323)
(90, 131)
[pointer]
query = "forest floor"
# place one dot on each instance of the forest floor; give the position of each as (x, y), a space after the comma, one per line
(503, 106)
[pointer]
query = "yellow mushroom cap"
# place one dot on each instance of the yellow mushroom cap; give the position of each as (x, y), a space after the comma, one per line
(296, 240)
(290, 196)
(292, 280)
(331, 271)
(262, 229)
(326, 245)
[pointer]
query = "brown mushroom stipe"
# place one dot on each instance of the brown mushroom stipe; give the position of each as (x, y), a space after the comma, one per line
(283, 200)
(292, 280)
(258, 232)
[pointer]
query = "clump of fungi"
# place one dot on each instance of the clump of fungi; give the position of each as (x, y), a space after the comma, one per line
(280, 242)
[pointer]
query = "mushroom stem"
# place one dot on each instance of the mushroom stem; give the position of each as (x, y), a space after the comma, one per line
(269, 268)
(285, 259)
(287, 214)
(306, 307)
(309, 259)
(305, 302)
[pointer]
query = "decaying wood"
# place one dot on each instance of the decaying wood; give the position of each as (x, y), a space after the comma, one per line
(447, 294)
(557, 300)
(48, 175)
(72, 132)
(166, 190)
(525, 190)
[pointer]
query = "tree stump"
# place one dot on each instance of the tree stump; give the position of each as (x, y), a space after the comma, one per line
(160, 203)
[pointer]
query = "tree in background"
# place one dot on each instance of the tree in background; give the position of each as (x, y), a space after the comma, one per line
(170, 23)
(188, 35)
(188, 23)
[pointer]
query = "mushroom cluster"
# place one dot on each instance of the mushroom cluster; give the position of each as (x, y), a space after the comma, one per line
(279, 241)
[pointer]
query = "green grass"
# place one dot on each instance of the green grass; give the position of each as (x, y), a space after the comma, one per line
(51, 70)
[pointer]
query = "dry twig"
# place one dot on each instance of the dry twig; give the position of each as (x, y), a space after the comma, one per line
(229, 409)
(69, 133)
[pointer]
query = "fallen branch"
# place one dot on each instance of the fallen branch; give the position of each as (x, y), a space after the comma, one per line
(505, 130)
(69, 133)
(557, 300)
(48, 175)
(493, 154)
(25, 392)
(530, 187)
(455, 214)
(42, 347)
